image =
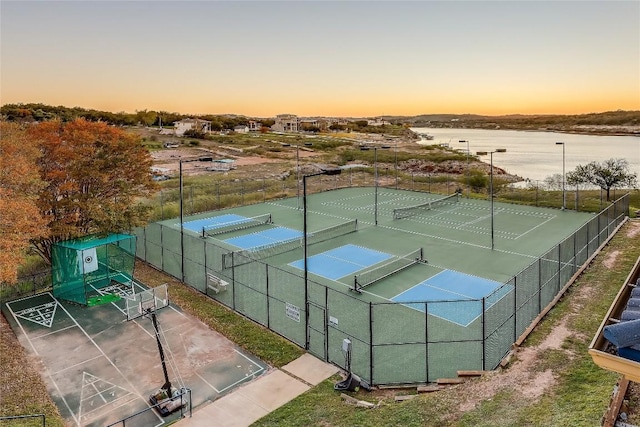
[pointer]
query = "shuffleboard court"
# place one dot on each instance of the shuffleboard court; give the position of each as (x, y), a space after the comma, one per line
(100, 368)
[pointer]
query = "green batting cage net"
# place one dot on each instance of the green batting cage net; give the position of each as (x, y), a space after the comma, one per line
(93, 270)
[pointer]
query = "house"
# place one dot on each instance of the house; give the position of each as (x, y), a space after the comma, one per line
(306, 124)
(378, 121)
(185, 125)
(286, 123)
(254, 126)
(241, 129)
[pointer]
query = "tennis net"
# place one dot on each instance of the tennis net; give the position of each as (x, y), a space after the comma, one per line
(400, 213)
(385, 270)
(245, 256)
(239, 224)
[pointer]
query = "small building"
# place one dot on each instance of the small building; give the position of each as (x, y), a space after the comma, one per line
(286, 123)
(182, 126)
(241, 129)
(254, 126)
(377, 121)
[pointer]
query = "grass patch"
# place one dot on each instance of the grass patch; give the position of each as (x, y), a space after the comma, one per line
(255, 339)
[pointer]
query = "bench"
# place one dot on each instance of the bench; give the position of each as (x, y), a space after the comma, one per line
(216, 284)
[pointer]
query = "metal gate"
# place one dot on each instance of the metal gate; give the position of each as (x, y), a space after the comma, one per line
(317, 332)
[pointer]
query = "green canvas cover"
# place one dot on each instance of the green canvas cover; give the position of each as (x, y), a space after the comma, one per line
(82, 267)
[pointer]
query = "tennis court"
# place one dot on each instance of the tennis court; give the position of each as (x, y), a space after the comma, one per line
(342, 261)
(100, 368)
(453, 289)
(456, 280)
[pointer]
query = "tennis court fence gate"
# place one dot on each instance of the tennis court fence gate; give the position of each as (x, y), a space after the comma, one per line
(391, 343)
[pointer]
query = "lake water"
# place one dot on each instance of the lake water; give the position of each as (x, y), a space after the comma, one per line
(535, 155)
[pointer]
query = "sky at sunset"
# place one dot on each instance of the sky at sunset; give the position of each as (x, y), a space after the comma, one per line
(333, 58)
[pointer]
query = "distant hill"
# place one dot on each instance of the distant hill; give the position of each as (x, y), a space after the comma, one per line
(607, 122)
(626, 122)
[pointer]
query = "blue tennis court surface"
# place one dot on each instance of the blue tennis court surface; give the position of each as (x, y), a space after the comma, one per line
(213, 222)
(272, 236)
(454, 288)
(341, 261)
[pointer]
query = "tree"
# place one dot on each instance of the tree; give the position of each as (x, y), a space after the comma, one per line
(20, 218)
(553, 182)
(612, 173)
(96, 176)
(477, 180)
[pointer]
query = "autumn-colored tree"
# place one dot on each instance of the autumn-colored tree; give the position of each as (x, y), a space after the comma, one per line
(95, 175)
(20, 218)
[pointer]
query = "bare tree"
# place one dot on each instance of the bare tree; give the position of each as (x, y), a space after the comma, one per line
(612, 173)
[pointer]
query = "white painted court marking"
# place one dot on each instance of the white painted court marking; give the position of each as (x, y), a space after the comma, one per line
(42, 314)
(97, 393)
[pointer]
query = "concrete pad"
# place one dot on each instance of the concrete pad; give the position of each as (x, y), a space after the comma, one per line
(232, 410)
(273, 390)
(244, 406)
(310, 369)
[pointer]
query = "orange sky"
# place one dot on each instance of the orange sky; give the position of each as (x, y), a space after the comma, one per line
(324, 58)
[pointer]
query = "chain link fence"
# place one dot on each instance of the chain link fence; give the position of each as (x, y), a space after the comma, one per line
(392, 343)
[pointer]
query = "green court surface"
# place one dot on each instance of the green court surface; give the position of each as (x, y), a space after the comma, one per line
(450, 288)
(454, 236)
(101, 368)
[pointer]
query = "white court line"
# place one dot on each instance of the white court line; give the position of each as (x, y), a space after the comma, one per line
(55, 384)
(131, 386)
(208, 383)
(54, 332)
(77, 364)
(245, 378)
(539, 225)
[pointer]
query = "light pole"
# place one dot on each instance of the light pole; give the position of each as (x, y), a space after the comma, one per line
(304, 244)
(298, 171)
(462, 141)
(395, 149)
(564, 195)
(199, 159)
(375, 175)
(484, 153)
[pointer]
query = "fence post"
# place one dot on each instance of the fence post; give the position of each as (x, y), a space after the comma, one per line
(515, 308)
(559, 269)
(370, 342)
(266, 267)
(539, 285)
(484, 335)
(426, 340)
(191, 197)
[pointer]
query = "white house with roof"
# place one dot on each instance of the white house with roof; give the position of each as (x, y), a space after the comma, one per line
(184, 125)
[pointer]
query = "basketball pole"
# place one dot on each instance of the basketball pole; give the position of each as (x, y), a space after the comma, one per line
(167, 383)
